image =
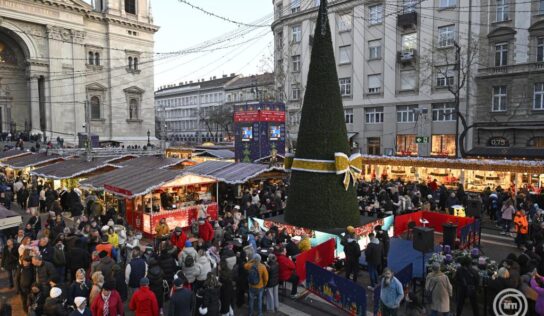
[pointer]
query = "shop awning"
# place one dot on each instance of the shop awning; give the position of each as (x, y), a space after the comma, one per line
(71, 168)
(519, 166)
(230, 172)
(507, 152)
(32, 160)
(217, 153)
(151, 162)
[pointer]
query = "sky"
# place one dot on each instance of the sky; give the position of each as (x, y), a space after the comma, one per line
(183, 27)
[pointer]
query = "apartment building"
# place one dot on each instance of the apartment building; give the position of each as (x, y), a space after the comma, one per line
(509, 112)
(396, 68)
(252, 88)
(182, 110)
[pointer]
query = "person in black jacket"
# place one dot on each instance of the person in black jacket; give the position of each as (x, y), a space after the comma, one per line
(80, 287)
(45, 271)
(374, 255)
(208, 295)
(10, 260)
(466, 283)
(53, 304)
(353, 252)
(46, 251)
(167, 262)
(155, 276)
(36, 299)
(383, 237)
(272, 297)
(227, 287)
(78, 258)
(25, 277)
(182, 301)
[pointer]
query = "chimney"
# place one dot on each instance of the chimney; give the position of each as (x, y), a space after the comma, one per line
(232, 74)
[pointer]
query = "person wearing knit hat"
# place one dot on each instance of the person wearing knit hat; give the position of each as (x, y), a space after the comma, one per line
(81, 308)
(55, 292)
(144, 302)
(181, 299)
(53, 304)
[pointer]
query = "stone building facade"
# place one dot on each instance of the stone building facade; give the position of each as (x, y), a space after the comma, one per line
(58, 55)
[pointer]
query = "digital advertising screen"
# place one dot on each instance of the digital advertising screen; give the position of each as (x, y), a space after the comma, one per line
(247, 133)
(275, 132)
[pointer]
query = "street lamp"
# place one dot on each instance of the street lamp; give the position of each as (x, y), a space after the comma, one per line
(148, 140)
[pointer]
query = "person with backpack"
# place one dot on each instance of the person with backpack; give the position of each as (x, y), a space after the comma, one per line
(353, 252)
(190, 269)
(59, 260)
(257, 279)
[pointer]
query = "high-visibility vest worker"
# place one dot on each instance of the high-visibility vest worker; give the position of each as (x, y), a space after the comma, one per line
(520, 220)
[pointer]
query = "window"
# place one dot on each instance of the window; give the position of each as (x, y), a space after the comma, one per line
(279, 40)
(444, 76)
(317, 3)
(443, 112)
(409, 42)
(538, 99)
(295, 6)
(541, 7)
(295, 92)
(345, 86)
(406, 145)
(279, 9)
(540, 49)
(296, 33)
(91, 58)
(348, 115)
(135, 66)
(501, 54)
(344, 23)
(406, 113)
(447, 3)
(95, 108)
(375, 49)
(375, 13)
(502, 10)
(374, 115)
(373, 145)
(295, 62)
(443, 145)
(345, 54)
(374, 83)
(129, 62)
(446, 35)
(408, 80)
(409, 6)
(133, 109)
(499, 99)
(130, 6)
(97, 59)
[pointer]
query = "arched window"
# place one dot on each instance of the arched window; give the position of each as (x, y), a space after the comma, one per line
(133, 109)
(91, 58)
(97, 59)
(130, 63)
(7, 55)
(135, 63)
(95, 108)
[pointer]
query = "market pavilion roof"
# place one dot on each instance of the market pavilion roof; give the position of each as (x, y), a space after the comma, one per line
(151, 162)
(230, 172)
(71, 168)
(32, 160)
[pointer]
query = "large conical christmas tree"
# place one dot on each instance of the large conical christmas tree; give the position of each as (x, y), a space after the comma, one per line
(319, 200)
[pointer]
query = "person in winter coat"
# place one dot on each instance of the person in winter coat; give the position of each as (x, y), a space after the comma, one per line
(108, 300)
(182, 300)
(507, 214)
(204, 267)
(537, 284)
(205, 231)
(272, 297)
(45, 271)
(168, 264)
(441, 290)
(10, 260)
(81, 287)
(36, 299)
(305, 244)
(188, 250)
(98, 283)
(178, 238)
(208, 295)
(53, 304)
(353, 252)
(78, 258)
(105, 265)
(155, 276)
(105, 246)
(227, 288)
(46, 250)
(287, 270)
(466, 285)
(373, 255)
(25, 277)
(135, 270)
(81, 309)
(391, 293)
(144, 302)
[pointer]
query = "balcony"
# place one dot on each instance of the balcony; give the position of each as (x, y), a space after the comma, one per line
(511, 69)
(407, 20)
(406, 56)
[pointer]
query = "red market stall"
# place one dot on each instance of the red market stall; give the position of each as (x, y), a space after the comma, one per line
(152, 194)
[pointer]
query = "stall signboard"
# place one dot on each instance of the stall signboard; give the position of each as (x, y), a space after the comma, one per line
(182, 217)
(338, 291)
(117, 190)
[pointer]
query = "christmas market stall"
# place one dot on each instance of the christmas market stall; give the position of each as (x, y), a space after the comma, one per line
(157, 193)
(156, 162)
(21, 165)
(474, 174)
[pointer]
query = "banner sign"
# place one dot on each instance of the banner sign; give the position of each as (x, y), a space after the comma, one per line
(182, 217)
(338, 291)
(321, 255)
(404, 276)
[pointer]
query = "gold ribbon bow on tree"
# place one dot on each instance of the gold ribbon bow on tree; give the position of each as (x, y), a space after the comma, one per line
(351, 166)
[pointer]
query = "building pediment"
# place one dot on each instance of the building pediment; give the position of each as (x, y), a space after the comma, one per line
(96, 86)
(134, 90)
(77, 5)
(537, 26)
(502, 32)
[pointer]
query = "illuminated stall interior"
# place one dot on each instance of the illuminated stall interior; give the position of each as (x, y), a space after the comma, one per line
(21, 166)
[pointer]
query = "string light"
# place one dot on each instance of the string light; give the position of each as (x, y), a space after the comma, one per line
(222, 17)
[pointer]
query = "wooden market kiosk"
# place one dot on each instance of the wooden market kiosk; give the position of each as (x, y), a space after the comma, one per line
(474, 174)
(153, 194)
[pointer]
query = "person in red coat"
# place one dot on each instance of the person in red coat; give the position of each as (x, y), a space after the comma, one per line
(287, 270)
(108, 303)
(205, 230)
(144, 302)
(178, 238)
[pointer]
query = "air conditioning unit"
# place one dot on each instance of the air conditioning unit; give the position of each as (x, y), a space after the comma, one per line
(407, 55)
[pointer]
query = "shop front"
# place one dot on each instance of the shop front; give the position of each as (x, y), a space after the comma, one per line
(474, 174)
